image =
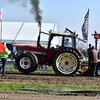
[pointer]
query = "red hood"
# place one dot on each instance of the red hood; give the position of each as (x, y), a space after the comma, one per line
(28, 44)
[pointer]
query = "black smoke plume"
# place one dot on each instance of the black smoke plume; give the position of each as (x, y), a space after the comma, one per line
(36, 10)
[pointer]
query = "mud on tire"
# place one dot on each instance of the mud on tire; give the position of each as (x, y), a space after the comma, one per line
(26, 63)
(66, 62)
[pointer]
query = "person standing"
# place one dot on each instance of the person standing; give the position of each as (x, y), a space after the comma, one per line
(15, 55)
(93, 60)
(41, 66)
(89, 66)
(89, 49)
(46, 66)
(4, 58)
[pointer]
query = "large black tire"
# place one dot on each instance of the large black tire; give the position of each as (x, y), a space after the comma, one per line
(66, 62)
(98, 71)
(26, 63)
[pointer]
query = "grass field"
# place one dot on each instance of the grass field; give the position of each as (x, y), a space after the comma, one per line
(10, 87)
(12, 66)
(49, 68)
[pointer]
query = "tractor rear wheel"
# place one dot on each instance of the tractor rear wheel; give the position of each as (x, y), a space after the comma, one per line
(66, 62)
(26, 63)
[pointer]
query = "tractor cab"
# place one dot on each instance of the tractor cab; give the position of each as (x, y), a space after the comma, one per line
(66, 39)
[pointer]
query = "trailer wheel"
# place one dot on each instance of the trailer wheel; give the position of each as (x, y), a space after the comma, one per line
(66, 62)
(26, 63)
(98, 71)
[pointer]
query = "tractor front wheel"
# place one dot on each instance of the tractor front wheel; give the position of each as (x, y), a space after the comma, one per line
(26, 63)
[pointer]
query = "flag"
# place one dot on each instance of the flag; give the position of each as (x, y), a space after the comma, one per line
(85, 26)
(2, 48)
(0, 17)
(1, 25)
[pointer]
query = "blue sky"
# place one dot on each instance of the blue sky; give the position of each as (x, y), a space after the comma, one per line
(66, 13)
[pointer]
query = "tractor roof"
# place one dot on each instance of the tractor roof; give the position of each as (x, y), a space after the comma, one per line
(62, 33)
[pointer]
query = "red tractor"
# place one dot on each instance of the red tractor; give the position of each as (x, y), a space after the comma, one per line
(65, 59)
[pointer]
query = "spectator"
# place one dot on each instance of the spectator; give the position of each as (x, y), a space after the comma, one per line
(89, 66)
(89, 49)
(41, 66)
(4, 58)
(93, 60)
(15, 55)
(46, 66)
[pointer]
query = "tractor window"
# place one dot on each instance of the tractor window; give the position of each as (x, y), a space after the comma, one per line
(68, 41)
(60, 38)
(54, 43)
(44, 39)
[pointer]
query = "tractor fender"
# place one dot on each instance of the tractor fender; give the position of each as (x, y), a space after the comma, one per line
(79, 52)
(25, 51)
(71, 49)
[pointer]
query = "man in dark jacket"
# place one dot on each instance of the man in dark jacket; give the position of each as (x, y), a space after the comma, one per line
(89, 49)
(93, 60)
(15, 55)
(89, 66)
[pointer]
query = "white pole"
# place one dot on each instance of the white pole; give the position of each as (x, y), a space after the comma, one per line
(1, 24)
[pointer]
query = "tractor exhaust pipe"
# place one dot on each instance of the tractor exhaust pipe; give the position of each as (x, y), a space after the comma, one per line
(38, 41)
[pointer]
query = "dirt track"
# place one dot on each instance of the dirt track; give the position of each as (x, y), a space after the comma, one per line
(12, 96)
(45, 78)
(38, 78)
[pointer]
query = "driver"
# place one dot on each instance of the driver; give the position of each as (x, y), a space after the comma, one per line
(67, 42)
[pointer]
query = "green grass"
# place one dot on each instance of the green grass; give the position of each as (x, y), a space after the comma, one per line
(49, 67)
(7, 86)
(10, 65)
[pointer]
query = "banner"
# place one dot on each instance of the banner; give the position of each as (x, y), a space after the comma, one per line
(1, 25)
(85, 26)
(0, 17)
